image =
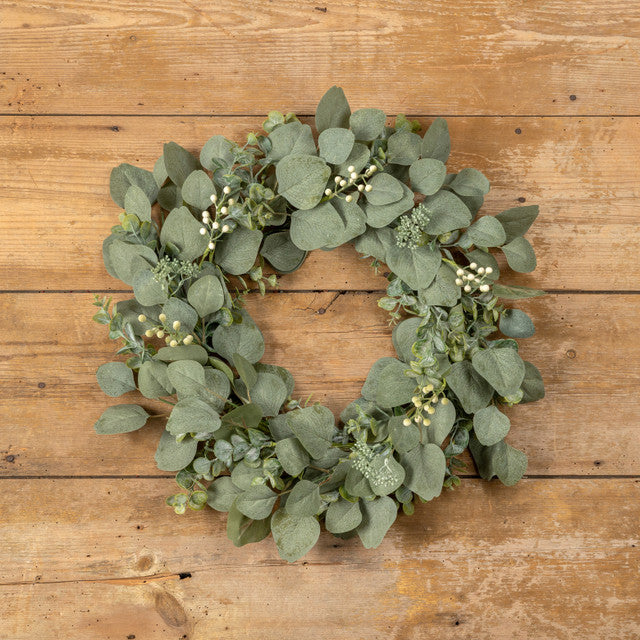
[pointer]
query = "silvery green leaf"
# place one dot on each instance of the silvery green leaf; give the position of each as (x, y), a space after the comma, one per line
(160, 171)
(206, 295)
(136, 202)
(516, 324)
(332, 110)
(356, 484)
(244, 338)
(385, 189)
(292, 138)
(172, 455)
(147, 289)
(427, 175)
(485, 232)
(292, 456)
(367, 124)
(387, 385)
(473, 391)
(269, 393)
(183, 230)
(217, 148)
(425, 466)
(236, 253)
(358, 159)
(517, 220)
(244, 476)
(281, 372)
(335, 144)
(386, 474)
(127, 259)
(198, 189)
(403, 147)
(221, 493)
(178, 162)
(490, 425)
(377, 517)
(121, 418)
(470, 182)
(404, 438)
(379, 216)
(403, 337)
(443, 291)
(502, 368)
(153, 380)
(532, 384)
(436, 142)
(125, 175)
(302, 179)
(515, 292)
(115, 378)
(500, 460)
(304, 499)
(183, 352)
(242, 530)
(192, 415)
(520, 255)
(177, 310)
(375, 243)
(245, 370)
(446, 213)
(343, 516)
(279, 427)
(417, 267)
(442, 422)
(317, 227)
(278, 249)
(246, 416)
(256, 502)
(170, 197)
(353, 219)
(187, 377)
(294, 535)
(314, 427)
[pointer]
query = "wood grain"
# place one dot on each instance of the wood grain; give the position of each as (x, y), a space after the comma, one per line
(188, 57)
(103, 559)
(582, 172)
(586, 425)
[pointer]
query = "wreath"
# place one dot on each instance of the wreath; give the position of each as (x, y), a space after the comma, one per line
(195, 236)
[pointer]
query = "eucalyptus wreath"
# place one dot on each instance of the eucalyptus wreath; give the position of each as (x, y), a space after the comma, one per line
(195, 236)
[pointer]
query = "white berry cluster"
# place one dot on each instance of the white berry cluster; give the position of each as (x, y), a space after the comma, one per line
(171, 333)
(354, 179)
(424, 406)
(474, 278)
(215, 226)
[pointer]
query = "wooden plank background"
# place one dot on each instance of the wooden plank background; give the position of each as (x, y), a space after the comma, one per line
(542, 96)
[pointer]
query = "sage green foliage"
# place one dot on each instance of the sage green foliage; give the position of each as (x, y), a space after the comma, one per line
(198, 234)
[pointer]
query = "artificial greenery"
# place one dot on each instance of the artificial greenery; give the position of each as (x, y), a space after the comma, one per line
(234, 434)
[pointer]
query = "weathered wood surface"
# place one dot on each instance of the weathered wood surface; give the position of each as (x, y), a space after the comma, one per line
(587, 424)
(482, 57)
(89, 556)
(545, 559)
(583, 173)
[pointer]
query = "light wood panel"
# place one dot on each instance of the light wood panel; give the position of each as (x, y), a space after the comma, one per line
(587, 424)
(102, 559)
(582, 172)
(482, 57)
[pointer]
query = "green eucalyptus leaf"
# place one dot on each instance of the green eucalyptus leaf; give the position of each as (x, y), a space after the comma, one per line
(403, 147)
(385, 189)
(354, 221)
(436, 142)
(314, 427)
(427, 175)
(358, 159)
(294, 535)
(121, 418)
(302, 179)
(153, 380)
(127, 259)
(183, 352)
(147, 289)
(367, 124)
(269, 393)
(178, 311)
(198, 189)
(470, 182)
(404, 438)
(136, 202)
(490, 425)
(292, 456)
(516, 324)
(515, 292)
(485, 232)
(206, 295)
(343, 516)
(236, 253)
(304, 499)
(517, 220)
(380, 216)
(317, 227)
(335, 144)
(246, 416)
(442, 422)
(115, 378)
(333, 110)
(244, 338)
(502, 368)
(425, 467)
(404, 335)
(256, 502)
(446, 213)
(246, 370)
(192, 415)
(282, 253)
(387, 385)
(217, 148)
(500, 460)
(179, 163)
(375, 243)
(377, 517)
(417, 267)
(473, 391)
(172, 455)
(221, 493)
(532, 384)
(520, 255)
(293, 138)
(242, 530)
(125, 175)
(183, 230)
(443, 291)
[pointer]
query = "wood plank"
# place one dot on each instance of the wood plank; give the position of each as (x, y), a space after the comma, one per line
(587, 424)
(544, 559)
(581, 171)
(208, 57)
